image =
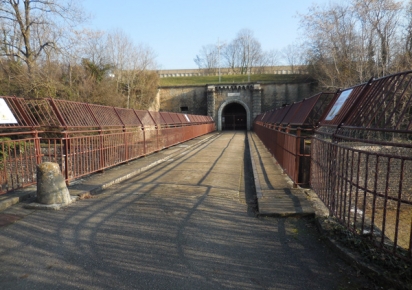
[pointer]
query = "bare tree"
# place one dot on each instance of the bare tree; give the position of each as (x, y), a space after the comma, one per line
(132, 66)
(350, 42)
(41, 54)
(293, 56)
(271, 58)
(30, 27)
(231, 56)
(381, 17)
(408, 30)
(403, 53)
(240, 55)
(243, 53)
(330, 40)
(208, 58)
(119, 50)
(342, 47)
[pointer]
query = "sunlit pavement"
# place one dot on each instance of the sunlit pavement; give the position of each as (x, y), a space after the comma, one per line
(183, 224)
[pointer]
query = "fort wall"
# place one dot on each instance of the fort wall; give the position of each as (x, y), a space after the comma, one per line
(193, 99)
(226, 71)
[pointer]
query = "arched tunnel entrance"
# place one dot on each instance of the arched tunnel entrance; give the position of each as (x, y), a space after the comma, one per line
(234, 117)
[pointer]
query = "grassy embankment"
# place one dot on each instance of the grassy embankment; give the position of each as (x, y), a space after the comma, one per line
(229, 79)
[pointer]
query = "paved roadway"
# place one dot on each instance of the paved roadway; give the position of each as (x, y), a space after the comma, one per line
(187, 223)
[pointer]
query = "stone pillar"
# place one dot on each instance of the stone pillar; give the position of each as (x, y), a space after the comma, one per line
(51, 186)
(256, 101)
(211, 111)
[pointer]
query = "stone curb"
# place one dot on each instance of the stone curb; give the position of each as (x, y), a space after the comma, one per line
(255, 175)
(16, 196)
(260, 191)
(19, 195)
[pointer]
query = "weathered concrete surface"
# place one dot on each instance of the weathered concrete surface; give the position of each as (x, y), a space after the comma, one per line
(182, 224)
(16, 196)
(276, 197)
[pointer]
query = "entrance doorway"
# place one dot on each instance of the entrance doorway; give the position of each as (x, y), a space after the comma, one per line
(234, 117)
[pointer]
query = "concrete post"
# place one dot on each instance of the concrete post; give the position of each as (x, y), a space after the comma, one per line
(211, 102)
(51, 186)
(256, 101)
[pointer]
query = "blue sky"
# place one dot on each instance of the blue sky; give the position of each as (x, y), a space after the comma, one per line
(177, 29)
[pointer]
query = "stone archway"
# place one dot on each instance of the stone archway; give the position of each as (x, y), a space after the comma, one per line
(228, 102)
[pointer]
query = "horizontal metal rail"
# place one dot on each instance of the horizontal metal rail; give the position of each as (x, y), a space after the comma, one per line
(80, 154)
(361, 161)
(368, 189)
(360, 156)
(84, 138)
(290, 149)
(286, 133)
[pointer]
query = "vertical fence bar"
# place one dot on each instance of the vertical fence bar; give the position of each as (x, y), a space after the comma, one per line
(88, 138)
(297, 157)
(37, 147)
(398, 207)
(66, 156)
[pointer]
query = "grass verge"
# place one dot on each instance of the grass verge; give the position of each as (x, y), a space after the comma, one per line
(229, 79)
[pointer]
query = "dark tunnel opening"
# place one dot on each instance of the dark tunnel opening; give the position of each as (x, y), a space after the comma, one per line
(234, 117)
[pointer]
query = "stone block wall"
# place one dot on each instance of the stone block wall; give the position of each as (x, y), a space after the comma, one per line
(190, 100)
(276, 95)
(209, 99)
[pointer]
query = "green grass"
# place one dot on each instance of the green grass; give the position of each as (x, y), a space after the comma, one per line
(229, 79)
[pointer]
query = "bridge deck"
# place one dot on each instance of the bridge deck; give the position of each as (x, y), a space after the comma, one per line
(179, 225)
(276, 195)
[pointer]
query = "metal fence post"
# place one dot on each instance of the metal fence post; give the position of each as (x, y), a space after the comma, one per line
(297, 157)
(37, 146)
(101, 150)
(65, 156)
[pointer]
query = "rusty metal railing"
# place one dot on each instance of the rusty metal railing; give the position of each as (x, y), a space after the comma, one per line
(83, 138)
(361, 161)
(290, 149)
(286, 133)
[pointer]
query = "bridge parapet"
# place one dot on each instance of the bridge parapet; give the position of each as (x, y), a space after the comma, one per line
(360, 156)
(83, 138)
